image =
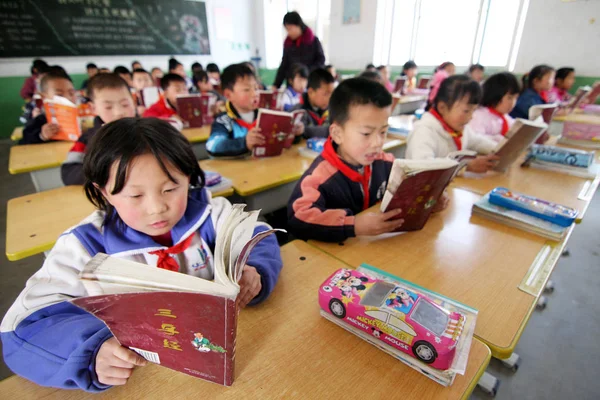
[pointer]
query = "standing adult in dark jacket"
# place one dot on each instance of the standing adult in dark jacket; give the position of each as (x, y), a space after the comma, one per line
(301, 46)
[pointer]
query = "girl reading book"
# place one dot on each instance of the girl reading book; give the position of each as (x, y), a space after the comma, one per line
(563, 82)
(536, 85)
(153, 209)
(443, 129)
(500, 93)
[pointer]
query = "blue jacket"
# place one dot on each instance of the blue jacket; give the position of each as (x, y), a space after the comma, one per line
(51, 342)
(227, 135)
(527, 99)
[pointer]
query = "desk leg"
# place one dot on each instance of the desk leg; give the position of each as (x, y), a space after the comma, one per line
(46, 179)
(272, 199)
(512, 362)
(489, 384)
(200, 151)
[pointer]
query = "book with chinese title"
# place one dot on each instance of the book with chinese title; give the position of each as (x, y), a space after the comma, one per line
(189, 108)
(172, 319)
(276, 127)
(268, 99)
(415, 186)
(63, 112)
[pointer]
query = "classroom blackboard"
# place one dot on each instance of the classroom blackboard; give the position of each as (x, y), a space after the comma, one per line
(37, 28)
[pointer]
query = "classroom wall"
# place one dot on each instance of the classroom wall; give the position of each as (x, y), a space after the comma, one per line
(561, 34)
(351, 46)
(224, 51)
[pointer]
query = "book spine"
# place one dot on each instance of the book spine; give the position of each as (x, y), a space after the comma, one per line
(231, 334)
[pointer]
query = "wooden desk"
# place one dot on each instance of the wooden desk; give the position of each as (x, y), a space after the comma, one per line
(198, 138)
(35, 221)
(579, 116)
(17, 134)
(267, 183)
(42, 161)
(409, 103)
(559, 188)
(468, 258)
(286, 350)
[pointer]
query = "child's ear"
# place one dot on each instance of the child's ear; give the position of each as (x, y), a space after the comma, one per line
(103, 191)
(227, 93)
(93, 110)
(335, 131)
(442, 108)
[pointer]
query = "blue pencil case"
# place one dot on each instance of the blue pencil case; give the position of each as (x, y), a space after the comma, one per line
(562, 155)
(555, 213)
(316, 144)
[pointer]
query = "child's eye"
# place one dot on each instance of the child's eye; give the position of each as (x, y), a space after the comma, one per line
(366, 133)
(170, 190)
(135, 196)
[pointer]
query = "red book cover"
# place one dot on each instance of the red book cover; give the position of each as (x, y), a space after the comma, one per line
(423, 82)
(268, 99)
(276, 127)
(192, 333)
(208, 103)
(400, 82)
(189, 108)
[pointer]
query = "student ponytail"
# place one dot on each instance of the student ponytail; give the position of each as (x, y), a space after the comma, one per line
(536, 73)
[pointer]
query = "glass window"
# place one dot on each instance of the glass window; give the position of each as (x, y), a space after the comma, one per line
(498, 34)
(430, 317)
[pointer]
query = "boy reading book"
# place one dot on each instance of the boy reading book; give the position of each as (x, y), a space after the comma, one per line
(111, 100)
(152, 209)
(172, 85)
(234, 132)
(38, 129)
(203, 85)
(316, 102)
(141, 80)
(351, 173)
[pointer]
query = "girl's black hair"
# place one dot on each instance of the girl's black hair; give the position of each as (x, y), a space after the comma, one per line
(536, 73)
(293, 18)
(563, 72)
(408, 65)
(454, 88)
(123, 140)
(475, 67)
(498, 85)
(297, 69)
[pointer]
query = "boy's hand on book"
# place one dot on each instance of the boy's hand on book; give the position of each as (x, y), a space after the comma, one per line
(49, 131)
(298, 129)
(375, 223)
(482, 163)
(254, 138)
(250, 285)
(115, 363)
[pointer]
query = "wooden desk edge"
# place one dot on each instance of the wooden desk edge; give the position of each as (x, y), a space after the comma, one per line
(15, 171)
(479, 373)
(283, 181)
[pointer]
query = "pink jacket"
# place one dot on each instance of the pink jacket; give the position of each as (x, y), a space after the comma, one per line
(488, 124)
(556, 95)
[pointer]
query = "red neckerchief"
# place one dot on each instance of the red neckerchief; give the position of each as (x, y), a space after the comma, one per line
(165, 261)
(544, 95)
(319, 120)
(504, 121)
(332, 157)
(234, 114)
(301, 100)
(456, 136)
(245, 124)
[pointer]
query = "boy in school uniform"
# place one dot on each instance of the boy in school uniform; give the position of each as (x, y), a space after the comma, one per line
(351, 173)
(172, 85)
(203, 85)
(315, 103)
(297, 81)
(234, 132)
(38, 130)
(111, 100)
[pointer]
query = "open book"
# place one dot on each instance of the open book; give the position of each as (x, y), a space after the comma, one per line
(577, 99)
(276, 127)
(63, 112)
(522, 134)
(176, 320)
(593, 94)
(424, 82)
(415, 186)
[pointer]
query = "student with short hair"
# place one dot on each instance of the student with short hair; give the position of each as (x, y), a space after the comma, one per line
(234, 132)
(297, 81)
(30, 86)
(153, 209)
(111, 100)
(173, 85)
(351, 173)
(536, 85)
(196, 67)
(476, 72)
(443, 129)
(124, 73)
(214, 73)
(409, 70)
(38, 129)
(157, 75)
(500, 93)
(136, 65)
(315, 103)
(203, 85)
(372, 75)
(175, 67)
(563, 82)
(92, 70)
(385, 76)
(141, 80)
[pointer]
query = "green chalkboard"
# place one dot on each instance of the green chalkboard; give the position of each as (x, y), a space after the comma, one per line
(37, 28)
